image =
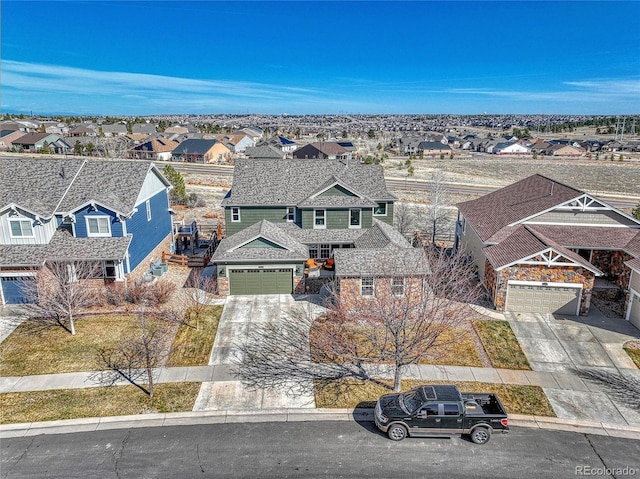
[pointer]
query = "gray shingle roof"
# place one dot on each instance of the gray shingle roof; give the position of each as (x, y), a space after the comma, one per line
(289, 182)
(634, 264)
(389, 261)
(381, 235)
(48, 186)
(264, 151)
(64, 246)
(230, 249)
(194, 147)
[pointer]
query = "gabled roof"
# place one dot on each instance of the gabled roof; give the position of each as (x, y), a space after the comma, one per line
(289, 249)
(494, 211)
(433, 145)
(525, 243)
(289, 182)
(33, 138)
(634, 264)
(588, 237)
(48, 186)
(264, 151)
(327, 148)
(318, 201)
(157, 145)
(381, 235)
(194, 147)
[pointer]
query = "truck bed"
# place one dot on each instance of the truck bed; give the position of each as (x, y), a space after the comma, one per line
(488, 404)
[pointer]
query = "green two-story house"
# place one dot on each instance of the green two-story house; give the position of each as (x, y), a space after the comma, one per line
(281, 213)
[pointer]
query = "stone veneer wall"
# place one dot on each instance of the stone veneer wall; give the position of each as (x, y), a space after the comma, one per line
(611, 263)
(541, 273)
(155, 255)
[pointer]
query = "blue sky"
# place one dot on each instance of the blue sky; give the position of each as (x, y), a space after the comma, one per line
(163, 57)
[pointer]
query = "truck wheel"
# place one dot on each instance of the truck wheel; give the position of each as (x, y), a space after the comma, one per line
(481, 435)
(397, 432)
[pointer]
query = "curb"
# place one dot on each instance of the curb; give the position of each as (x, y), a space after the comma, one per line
(190, 418)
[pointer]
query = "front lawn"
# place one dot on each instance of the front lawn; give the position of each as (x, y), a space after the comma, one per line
(95, 402)
(501, 344)
(192, 347)
(36, 348)
(349, 393)
(633, 350)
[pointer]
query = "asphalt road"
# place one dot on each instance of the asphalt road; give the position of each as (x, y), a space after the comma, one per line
(309, 450)
(395, 184)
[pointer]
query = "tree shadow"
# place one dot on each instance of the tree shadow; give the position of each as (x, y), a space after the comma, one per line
(625, 389)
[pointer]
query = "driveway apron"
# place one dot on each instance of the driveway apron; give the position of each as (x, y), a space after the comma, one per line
(563, 345)
(226, 392)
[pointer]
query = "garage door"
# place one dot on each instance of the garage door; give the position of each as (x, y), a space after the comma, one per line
(261, 281)
(16, 289)
(543, 299)
(634, 314)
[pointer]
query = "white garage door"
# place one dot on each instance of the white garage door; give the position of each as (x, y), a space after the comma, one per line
(550, 298)
(634, 313)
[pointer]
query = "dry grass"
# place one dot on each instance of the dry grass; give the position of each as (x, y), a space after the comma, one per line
(95, 402)
(36, 348)
(501, 344)
(192, 347)
(634, 353)
(351, 393)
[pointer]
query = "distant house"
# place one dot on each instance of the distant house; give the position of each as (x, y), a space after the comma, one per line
(201, 151)
(433, 148)
(564, 150)
(114, 214)
(82, 130)
(146, 128)
(7, 137)
(510, 148)
(284, 144)
(34, 142)
(154, 149)
(264, 152)
(117, 129)
(327, 150)
(180, 130)
(236, 142)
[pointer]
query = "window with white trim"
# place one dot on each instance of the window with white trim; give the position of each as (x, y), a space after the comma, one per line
(380, 210)
(291, 214)
(98, 225)
(354, 218)
(325, 251)
(148, 205)
(235, 214)
(319, 219)
(366, 286)
(313, 251)
(21, 228)
(397, 286)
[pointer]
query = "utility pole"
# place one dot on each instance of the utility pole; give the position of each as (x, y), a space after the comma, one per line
(624, 118)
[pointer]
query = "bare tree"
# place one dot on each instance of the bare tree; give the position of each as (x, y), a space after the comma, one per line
(138, 358)
(404, 218)
(113, 147)
(438, 202)
(62, 288)
(403, 323)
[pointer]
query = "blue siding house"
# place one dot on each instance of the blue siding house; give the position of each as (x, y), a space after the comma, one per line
(113, 213)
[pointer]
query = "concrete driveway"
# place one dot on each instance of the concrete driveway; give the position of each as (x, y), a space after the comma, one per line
(565, 344)
(226, 392)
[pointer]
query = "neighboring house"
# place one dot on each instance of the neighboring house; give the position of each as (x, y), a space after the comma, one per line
(117, 129)
(325, 150)
(236, 142)
(538, 245)
(633, 301)
(176, 130)
(264, 151)
(280, 213)
(7, 137)
(113, 213)
(433, 148)
(34, 142)
(510, 148)
(154, 149)
(201, 151)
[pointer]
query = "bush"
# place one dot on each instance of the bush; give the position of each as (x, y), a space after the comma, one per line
(113, 294)
(136, 291)
(160, 291)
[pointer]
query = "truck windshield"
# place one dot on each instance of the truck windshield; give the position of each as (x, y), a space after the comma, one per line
(410, 401)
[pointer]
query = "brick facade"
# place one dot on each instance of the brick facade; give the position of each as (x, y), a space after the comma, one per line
(350, 288)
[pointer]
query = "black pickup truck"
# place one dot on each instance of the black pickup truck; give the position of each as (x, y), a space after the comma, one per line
(440, 410)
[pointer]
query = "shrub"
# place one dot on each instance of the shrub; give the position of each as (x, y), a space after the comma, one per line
(160, 291)
(136, 291)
